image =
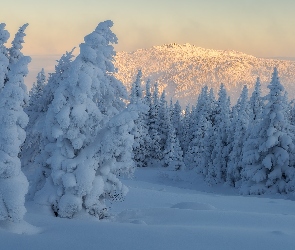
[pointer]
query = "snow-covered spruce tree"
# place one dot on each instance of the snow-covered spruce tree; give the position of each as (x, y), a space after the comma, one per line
(4, 61)
(173, 155)
(163, 121)
(13, 96)
(33, 154)
(192, 120)
(196, 155)
(148, 116)
(212, 105)
(140, 131)
(88, 130)
(256, 104)
(176, 118)
(148, 95)
(197, 114)
(239, 126)
(204, 147)
(185, 126)
(218, 162)
(156, 155)
(208, 143)
(199, 152)
(136, 90)
(38, 87)
(33, 111)
(266, 152)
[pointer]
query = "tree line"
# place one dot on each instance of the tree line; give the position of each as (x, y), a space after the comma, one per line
(249, 146)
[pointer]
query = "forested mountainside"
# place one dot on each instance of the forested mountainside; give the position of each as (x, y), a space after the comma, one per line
(182, 70)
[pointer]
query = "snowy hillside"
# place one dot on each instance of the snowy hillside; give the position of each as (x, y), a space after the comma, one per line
(184, 69)
(162, 213)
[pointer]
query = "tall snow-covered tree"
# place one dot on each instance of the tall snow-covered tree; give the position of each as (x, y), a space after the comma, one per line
(13, 183)
(176, 117)
(173, 155)
(197, 115)
(37, 88)
(87, 127)
(218, 164)
(239, 126)
(148, 95)
(256, 103)
(140, 131)
(156, 154)
(163, 120)
(136, 89)
(199, 151)
(34, 110)
(33, 154)
(266, 152)
(205, 136)
(185, 125)
(205, 147)
(212, 106)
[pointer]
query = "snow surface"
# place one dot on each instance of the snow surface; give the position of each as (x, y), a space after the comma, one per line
(164, 210)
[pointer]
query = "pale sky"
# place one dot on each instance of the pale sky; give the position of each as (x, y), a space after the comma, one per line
(263, 28)
(258, 27)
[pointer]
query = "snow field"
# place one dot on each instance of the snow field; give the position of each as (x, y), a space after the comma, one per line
(157, 215)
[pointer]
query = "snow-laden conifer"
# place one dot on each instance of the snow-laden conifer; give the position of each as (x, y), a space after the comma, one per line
(256, 103)
(218, 162)
(13, 183)
(239, 125)
(163, 120)
(156, 154)
(199, 113)
(173, 155)
(136, 89)
(184, 132)
(34, 111)
(140, 131)
(37, 88)
(207, 130)
(34, 155)
(266, 152)
(176, 117)
(88, 132)
(148, 95)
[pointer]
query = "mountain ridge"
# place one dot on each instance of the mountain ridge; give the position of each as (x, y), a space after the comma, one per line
(182, 70)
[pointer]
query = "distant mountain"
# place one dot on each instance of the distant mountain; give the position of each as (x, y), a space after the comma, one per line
(182, 70)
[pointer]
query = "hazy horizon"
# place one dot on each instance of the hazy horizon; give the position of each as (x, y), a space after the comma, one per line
(48, 62)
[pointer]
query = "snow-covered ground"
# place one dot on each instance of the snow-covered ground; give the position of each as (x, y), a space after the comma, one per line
(162, 211)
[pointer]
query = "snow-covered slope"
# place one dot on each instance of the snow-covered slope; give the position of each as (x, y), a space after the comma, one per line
(164, 210)
(184, 69)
